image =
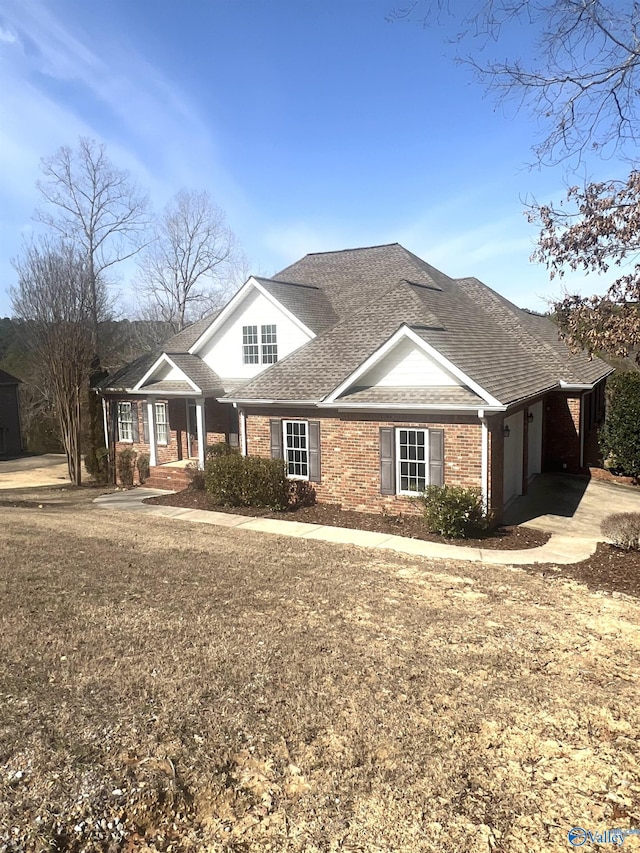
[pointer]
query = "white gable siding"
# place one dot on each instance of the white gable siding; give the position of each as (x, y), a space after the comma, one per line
(406, 365)
(223, 353)
(165, 371)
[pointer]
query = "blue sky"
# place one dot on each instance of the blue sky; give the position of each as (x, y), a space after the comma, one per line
(315, 124)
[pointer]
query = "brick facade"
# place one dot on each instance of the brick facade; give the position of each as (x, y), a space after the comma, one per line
(350, 454)
(561, 450)
(218, 422)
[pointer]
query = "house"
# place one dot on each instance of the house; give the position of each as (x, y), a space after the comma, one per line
(10, 432)
(372, 374)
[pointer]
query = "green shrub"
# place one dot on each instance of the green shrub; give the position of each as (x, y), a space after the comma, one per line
(125, 465)
(620, 435)
(454, 511)
(622, 529)
(97, 464)
(143, 464)
(195, 475)
(236, 480)
(220, 448)
(301, 494)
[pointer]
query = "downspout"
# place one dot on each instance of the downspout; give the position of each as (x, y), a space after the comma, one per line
(484, 460)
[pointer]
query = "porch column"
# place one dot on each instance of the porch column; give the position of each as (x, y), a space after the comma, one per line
(153, 453)
(202, 434)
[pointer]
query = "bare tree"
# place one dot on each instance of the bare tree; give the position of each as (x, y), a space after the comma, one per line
(58, 302)
(189, 268)
(96, 206)
(583, 79)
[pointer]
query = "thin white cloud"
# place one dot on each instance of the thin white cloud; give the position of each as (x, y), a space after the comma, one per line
(60, 82)
(7, 36)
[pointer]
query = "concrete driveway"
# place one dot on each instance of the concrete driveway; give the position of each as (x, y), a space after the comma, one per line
(24, 472)
(571, 505)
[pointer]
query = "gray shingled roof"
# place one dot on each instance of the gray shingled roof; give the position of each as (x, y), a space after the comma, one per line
(130, 374)
(509, 352)
(184, 340)
(8, 379)
(173, 386)
(413, 396)
(198, 372)
(306, 302)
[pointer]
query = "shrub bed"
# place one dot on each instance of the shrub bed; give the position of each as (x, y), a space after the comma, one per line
(125, 466)
(454, 512)
(622, 529)
(234, 480)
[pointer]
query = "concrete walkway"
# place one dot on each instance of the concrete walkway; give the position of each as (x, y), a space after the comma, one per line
(562, 504)
(27, 472)
(561, 549)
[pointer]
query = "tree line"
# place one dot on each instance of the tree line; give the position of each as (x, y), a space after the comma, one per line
(95, 218)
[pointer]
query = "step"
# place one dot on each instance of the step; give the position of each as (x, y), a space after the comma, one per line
(175, 479)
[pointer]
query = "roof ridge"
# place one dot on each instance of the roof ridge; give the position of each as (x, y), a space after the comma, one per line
(353, 249)
(289, 283)
(516, 313)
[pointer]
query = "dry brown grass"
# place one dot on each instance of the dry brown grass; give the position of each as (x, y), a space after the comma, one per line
(175, 687)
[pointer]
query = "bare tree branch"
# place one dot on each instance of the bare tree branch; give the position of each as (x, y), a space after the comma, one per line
(191, 265)
(583, 79)
(90, 203)
(56, 299)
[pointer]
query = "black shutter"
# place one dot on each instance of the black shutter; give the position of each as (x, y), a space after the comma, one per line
(134, 422)
(145, 422)
(276, 439)
(387, 461)
(113, 422)
(436, 457)
(314, 451)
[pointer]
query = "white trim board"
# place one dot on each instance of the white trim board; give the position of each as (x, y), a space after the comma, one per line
(405, 332)
(163, 358)
(234, 302)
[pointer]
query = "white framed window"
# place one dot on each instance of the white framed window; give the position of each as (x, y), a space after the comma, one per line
(412, 455)
(125, 422)
(250, 349)
(162, 426)
(269, 344)
(295, 439)
(262, 351)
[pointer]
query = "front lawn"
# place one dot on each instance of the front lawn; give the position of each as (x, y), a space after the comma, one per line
(175, 687)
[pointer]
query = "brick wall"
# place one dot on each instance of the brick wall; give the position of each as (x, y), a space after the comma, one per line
(216, 422)
(561, 450)
(350, 450)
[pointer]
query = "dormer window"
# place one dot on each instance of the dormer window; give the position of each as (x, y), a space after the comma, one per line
(250, 351)
(269, 345)
(264, 351)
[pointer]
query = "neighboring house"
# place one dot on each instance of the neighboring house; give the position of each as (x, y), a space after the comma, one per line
(372, 374)
(10, 432)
